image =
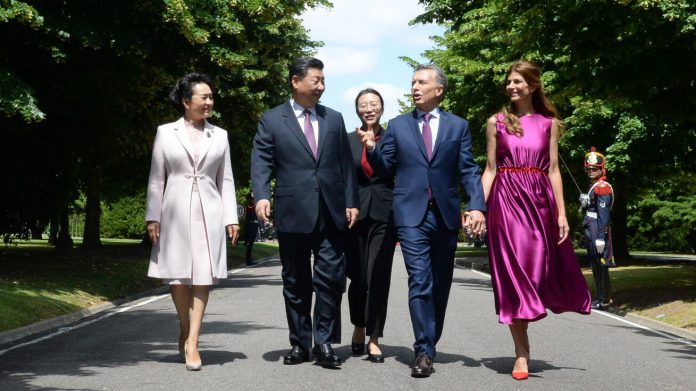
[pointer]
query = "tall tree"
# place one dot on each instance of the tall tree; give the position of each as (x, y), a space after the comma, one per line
(100, 73)
(620, 71)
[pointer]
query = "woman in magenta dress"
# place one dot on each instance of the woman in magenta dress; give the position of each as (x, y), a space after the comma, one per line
(533, 265)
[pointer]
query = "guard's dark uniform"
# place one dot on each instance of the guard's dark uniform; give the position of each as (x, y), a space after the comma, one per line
(596, 205)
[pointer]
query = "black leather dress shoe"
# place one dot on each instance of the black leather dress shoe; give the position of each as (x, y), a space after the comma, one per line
(357, 348)
(325, 356)
(295, 356)
(423, 366)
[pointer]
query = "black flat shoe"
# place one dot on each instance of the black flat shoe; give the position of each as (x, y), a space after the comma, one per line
(375, 358)
(358, 348)
(295, 356)
(325, 356)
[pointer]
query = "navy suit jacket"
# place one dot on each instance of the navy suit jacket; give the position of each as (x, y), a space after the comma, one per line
(403, 151)
(302, 180)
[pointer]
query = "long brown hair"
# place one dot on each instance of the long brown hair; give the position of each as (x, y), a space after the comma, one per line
(541, 104)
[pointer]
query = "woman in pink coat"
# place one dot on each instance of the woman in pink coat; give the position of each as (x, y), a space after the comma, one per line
(191, 205)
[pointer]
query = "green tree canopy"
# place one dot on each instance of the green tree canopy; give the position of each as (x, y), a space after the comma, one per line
(621, 72)
(84, 85)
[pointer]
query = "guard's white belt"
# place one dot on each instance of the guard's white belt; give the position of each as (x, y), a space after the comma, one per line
(591, 214)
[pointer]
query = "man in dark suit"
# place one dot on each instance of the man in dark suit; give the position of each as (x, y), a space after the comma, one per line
(430, 151)
(316, 199)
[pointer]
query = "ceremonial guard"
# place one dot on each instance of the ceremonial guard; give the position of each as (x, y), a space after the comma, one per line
(596, 205)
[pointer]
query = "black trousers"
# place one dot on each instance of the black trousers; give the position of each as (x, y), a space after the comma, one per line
(249, 238)
(326, 279)
(369, 258)
(601, 279)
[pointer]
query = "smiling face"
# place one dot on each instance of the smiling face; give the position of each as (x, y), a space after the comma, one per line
(307, 90)
(425, 90)
(200, 106)
(518, 89)
(370, 110)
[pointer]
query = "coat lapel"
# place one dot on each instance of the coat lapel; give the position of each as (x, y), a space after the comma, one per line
(417, 134)
(294, 127)
(180, 131)
(206, 142)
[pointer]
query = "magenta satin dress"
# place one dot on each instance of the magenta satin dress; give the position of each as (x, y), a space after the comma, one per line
(529, 270)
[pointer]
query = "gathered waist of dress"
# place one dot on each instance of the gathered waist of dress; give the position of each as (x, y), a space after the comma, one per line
(530, 170)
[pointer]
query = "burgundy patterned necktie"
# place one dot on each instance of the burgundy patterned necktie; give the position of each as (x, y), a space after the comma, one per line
(309, 133)
(428, 135)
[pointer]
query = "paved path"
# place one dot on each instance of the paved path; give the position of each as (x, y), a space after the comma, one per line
(133, 347)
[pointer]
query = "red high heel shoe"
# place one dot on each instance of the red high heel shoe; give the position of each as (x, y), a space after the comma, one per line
(520, 375)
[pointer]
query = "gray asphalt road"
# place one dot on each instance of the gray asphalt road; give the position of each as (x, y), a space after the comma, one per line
(133, 347)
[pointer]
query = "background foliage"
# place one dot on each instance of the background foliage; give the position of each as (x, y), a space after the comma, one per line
(83, 88)
(621, 72)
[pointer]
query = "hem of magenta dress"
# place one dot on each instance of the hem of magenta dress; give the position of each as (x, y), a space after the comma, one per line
(541, 316)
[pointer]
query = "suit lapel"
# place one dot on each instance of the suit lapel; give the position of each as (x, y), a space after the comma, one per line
(441, 129)
(294, 127)
(180, 132)
(417, 135)
(323, 128)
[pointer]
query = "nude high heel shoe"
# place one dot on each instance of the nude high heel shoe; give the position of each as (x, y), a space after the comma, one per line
(191, 365)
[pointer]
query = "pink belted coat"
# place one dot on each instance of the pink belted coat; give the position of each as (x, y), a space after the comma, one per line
(169, 191)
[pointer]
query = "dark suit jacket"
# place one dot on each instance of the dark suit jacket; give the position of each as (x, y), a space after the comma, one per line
(403, 151)
(303, 182)
(376, 191)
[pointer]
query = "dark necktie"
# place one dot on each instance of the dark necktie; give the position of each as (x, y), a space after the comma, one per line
(428, 135)
(309, 133)
(367, 168)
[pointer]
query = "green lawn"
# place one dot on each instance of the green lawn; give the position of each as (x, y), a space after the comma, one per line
(664, 291)
(36, 283)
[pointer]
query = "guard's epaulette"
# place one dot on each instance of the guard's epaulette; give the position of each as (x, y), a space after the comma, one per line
(602, 188)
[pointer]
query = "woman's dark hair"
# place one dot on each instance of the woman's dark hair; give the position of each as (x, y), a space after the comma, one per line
(541, 104)
(368, 90)
(301, 66)
(183, 89)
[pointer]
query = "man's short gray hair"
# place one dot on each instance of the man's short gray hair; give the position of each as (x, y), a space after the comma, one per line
(440, 77)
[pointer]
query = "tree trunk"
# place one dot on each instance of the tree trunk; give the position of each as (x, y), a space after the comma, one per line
(53, 230)
(37, 229)
(64, 242)
(619, 220)
(90, 237)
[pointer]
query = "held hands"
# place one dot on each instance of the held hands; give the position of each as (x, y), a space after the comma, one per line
(351, 216)
(153, 228)
(233, 233)
(563, 229)
(263, 210)
(367, 137)
(475, 223)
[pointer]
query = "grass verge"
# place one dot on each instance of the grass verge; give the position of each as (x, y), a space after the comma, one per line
(36, 283)
(660, 290)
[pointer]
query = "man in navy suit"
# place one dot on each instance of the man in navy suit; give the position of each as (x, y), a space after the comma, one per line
(430, 151)
(316, 199)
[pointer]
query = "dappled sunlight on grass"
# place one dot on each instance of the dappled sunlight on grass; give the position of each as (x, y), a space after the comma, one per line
(663, 292)
(37, 283)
